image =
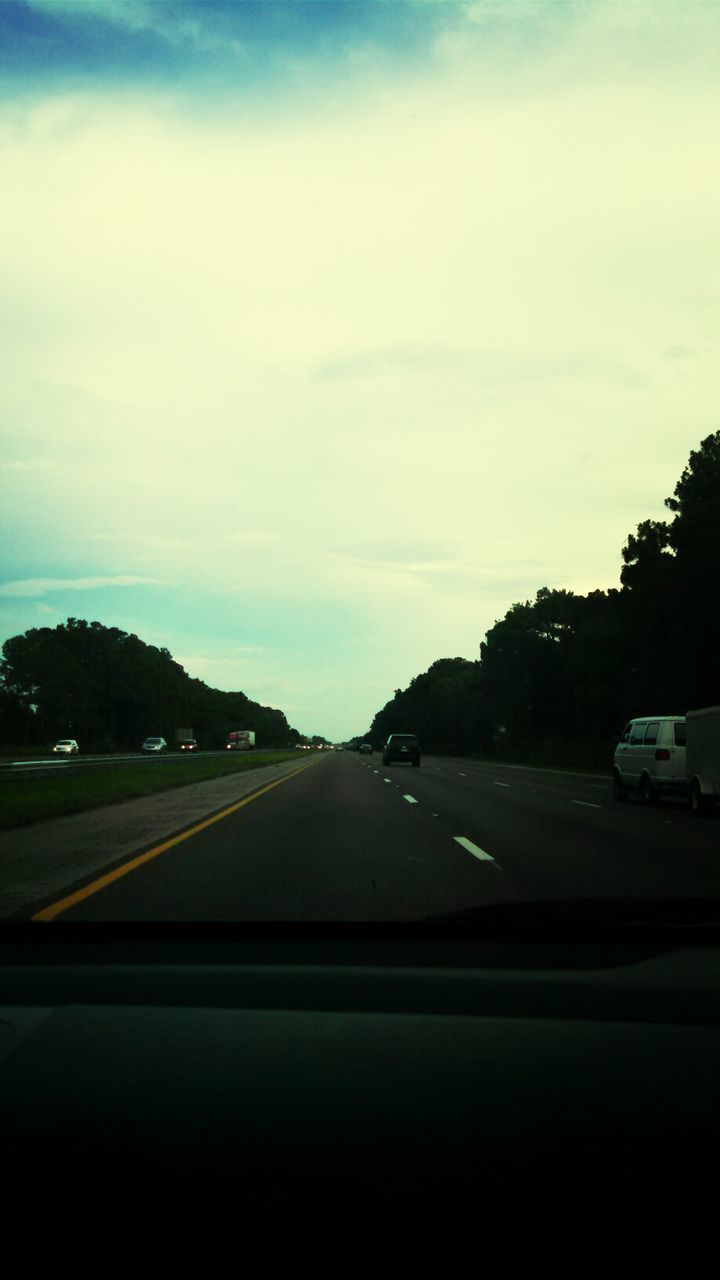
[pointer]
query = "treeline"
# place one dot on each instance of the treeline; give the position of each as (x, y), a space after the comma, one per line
(110, 690)
(559, 676)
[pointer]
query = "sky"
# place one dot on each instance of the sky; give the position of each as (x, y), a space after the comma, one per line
(328, 331)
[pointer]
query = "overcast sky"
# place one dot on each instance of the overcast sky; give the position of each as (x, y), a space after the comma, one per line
(330, 330)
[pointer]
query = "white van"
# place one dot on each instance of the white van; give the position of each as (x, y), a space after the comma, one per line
(650, 759)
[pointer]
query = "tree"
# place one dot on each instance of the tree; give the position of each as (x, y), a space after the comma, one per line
(694, 536)
(109, 689)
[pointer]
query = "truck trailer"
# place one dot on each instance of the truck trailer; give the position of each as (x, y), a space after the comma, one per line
(702, 762)
(241, 740)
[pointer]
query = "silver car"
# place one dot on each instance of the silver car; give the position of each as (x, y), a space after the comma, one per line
(151, 745)
(66, 747)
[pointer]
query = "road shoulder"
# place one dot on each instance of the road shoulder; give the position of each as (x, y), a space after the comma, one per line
(47, 857)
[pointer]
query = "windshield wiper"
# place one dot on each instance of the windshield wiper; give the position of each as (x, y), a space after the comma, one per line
(579, 914)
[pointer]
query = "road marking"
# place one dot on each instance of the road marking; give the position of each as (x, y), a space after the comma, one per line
(534, 768)
(72, 899)
(462, 775)
(388, 780)
(587, 804)
(502, 784)
(473, 848)
(410, 799)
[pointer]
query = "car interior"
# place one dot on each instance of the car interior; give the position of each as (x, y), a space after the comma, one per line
(385, 1073)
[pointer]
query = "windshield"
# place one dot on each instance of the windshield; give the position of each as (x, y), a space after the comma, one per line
(359, 390)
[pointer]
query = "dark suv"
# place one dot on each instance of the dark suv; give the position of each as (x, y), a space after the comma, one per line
(403, 747)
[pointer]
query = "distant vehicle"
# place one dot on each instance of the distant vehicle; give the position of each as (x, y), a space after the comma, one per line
(366, 748)
(154, 745)
(241, 740)
(403, 748)
(650, 759)
(188, 744)
(66, 747)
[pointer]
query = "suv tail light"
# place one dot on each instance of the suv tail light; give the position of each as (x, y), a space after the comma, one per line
(662, 753)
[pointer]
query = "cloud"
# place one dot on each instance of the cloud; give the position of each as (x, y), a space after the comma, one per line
(222, 656)
(680, 353)
(186, 24)
(21, 465)
(497, 367)
(42, 586)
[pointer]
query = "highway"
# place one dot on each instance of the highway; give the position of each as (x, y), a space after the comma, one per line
(345, 838)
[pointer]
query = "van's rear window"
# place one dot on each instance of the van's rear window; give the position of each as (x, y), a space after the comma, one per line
(680, 736)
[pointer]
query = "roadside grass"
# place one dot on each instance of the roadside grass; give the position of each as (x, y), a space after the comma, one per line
(27, 800)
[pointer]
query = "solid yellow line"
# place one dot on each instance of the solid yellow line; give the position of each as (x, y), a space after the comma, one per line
(72, 899)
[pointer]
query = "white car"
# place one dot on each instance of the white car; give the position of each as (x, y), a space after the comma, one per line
(66, 747)
(154, 745)
(650, 759)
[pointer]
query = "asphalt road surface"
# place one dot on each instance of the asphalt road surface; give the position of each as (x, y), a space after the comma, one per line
(350, 839)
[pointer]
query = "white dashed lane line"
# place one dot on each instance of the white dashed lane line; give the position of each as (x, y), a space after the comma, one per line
(587, 804)
(466, 844)
(474, 849)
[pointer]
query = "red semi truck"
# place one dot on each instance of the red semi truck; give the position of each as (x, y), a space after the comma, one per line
(240, 740)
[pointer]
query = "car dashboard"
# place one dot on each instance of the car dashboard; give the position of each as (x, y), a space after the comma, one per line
(409, 1074)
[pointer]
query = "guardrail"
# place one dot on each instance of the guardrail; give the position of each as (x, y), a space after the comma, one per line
(23, 769)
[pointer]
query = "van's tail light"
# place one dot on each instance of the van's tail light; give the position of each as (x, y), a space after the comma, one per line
(662, 753)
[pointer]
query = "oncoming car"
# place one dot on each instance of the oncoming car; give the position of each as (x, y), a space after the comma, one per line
(66, 747)
(366, 748)
(188, 744)
(154, 745)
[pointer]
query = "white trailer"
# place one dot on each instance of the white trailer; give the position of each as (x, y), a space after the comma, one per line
(703, 758)
(241, 740)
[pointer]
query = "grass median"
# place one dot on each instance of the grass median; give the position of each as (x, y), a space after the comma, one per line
(34, 799)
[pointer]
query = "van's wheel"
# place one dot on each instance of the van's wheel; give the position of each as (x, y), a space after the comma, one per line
(648, 794)
(700, 804)
(619, 792)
